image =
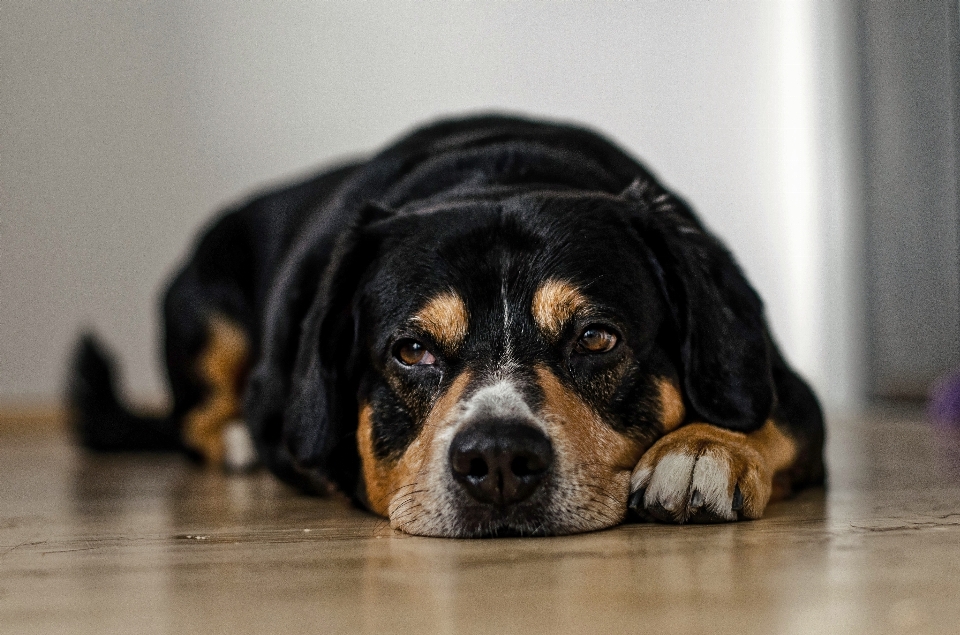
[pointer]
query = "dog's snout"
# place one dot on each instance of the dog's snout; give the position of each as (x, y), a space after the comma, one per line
(500, 462)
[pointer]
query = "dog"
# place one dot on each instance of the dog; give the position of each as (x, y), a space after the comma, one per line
(495, 326)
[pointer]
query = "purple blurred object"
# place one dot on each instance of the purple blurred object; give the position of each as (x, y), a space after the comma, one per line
(944, 406)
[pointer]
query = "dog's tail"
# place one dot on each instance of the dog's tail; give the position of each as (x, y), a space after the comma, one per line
(100, 421)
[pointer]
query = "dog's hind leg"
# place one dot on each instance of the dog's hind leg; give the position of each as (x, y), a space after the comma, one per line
(212, 427)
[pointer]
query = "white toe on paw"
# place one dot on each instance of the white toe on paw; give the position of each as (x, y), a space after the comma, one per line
(712, 483)
(239, 453)
(670, 481)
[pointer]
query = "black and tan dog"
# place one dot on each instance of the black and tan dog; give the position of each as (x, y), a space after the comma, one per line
(494, 327)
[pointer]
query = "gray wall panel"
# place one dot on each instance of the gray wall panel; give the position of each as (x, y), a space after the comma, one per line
(910, 102)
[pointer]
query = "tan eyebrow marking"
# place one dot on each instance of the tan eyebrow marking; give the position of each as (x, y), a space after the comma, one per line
(554, 303)
(445, 317)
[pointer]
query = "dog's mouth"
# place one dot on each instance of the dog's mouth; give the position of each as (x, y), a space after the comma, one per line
(559, 507)
(507, 523)
(511, 532)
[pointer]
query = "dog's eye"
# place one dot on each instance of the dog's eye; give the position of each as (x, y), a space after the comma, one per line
(596, 339)
(413, 353)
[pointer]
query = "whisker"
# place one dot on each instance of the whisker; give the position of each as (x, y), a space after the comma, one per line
(381, 498)
(401, 505)
(402, 519)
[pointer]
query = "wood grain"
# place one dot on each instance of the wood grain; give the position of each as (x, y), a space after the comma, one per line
(154, 544)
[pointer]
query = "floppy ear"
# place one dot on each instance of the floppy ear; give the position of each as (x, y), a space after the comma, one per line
(725, 348)
(299, 401)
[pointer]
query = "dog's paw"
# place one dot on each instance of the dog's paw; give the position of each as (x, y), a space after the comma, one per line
(239, 453)
(701, 473)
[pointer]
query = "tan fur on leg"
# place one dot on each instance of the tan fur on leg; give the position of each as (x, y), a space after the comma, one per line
(221, 365)
(700, 466)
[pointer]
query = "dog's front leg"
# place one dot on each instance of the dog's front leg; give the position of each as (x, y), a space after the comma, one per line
(703, 473)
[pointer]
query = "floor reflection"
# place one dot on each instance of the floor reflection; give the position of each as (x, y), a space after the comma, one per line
(155, 544)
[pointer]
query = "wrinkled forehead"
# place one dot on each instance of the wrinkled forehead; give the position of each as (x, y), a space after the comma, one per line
(504, 266)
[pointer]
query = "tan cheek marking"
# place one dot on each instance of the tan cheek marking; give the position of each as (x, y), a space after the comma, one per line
(554, 303)
(385, 480)
(221, 365)
(596, 447)
(445, 317)
(375, 473)
(671, 405)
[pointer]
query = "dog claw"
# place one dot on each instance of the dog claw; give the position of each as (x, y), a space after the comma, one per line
(635, 502)
(737, 499)
(640, 513)
(696, 500)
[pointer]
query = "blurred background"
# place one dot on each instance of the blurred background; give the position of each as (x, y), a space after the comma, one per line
(819, 138)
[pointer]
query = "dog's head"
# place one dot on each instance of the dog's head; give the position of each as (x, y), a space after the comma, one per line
(497, 365)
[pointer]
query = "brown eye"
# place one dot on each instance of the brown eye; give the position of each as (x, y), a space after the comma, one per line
(596, 340)
(413, 353)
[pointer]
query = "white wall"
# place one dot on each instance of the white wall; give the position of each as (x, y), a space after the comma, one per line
(125, 125)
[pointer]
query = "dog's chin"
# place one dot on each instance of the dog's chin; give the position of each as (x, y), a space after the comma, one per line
(496, 523)
(522, 521)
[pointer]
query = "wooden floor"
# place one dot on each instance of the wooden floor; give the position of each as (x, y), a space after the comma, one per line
(92, 544)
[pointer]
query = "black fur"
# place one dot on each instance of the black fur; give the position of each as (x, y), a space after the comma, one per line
(725, 350)
(321, 273)
(101, 422)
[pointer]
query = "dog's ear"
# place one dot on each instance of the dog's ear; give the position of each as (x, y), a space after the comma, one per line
(725, 349)
(301, 408)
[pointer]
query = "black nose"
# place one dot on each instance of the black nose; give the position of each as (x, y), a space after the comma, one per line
(500, 462)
